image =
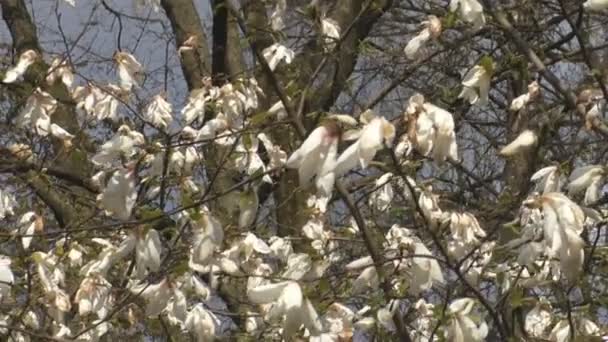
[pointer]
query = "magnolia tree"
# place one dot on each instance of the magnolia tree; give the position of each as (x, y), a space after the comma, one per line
(303, 170)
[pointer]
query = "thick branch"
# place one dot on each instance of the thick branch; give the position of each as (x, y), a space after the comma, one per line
(185, 21)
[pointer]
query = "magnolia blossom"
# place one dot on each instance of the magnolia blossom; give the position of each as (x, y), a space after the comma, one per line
(130, 71)
(93, 296)
(123, 144)
(521, 101)
(588, 179)
(561, 332)
(595, 5)
(7, 204)
(429, 205)
(248, 159)
(432, 129)
(331, 33)
(6, 277)
(195, 108)
(431, 29)
(248, 207)
(276, 53)
(289, 305)
(277, 157)
(154, 4)
(424, 321)
(547, 179)
(102, 103)
(26, 59)
(51, 277)
(524, 141)
(71, 2)
(315, 152)
(471, 11)
(29, 224)
(465, 233)
(462, 326)
(276, 17)
(37, 112)
(476, 85)
(562, 225)
(201, 323)
(159, 112)
(119, 195)
(376, 133)
(537, 321)
(157, 296)
(367, 279)
(60, 69)
(382, 197)
(208, 235)
(148, 248)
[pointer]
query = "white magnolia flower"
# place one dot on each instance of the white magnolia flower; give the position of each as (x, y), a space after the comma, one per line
(367, 279)
(465, 227)
(119, 195)
(157, 296)
(524, 141)
(562, 225)
(148, 248)
(537, 321)
(588, 179)
(93, 296)
(382, 197)
(6, 277)
(339, 320)
(431, 29)
(177, 307)
(471, 11)
(159, 112)
(276, 53)
(124, 143)
(547, 179)
(462, 327)
(202, 323)
(424, 322)
(208, 235)
(331, 33)
(7, 204)
(277, 157)
(433, 130)
(315, 153)
(289, 305)
(278, 110)
(248, 208)
(377, 133)
(37, 112)
(130, 71)
(29, 224)
(424, 271)
(155, 4)
(195, 108)
(276, 17)
(247, 157)
(51, 277)
(60, 70)
(428, 203)
(26, 59)
(280, 248)
(476, 84)
(101, 103)
(521, 101)
(596, 5)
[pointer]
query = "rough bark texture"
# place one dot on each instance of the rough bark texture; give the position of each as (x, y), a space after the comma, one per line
(185, 21)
